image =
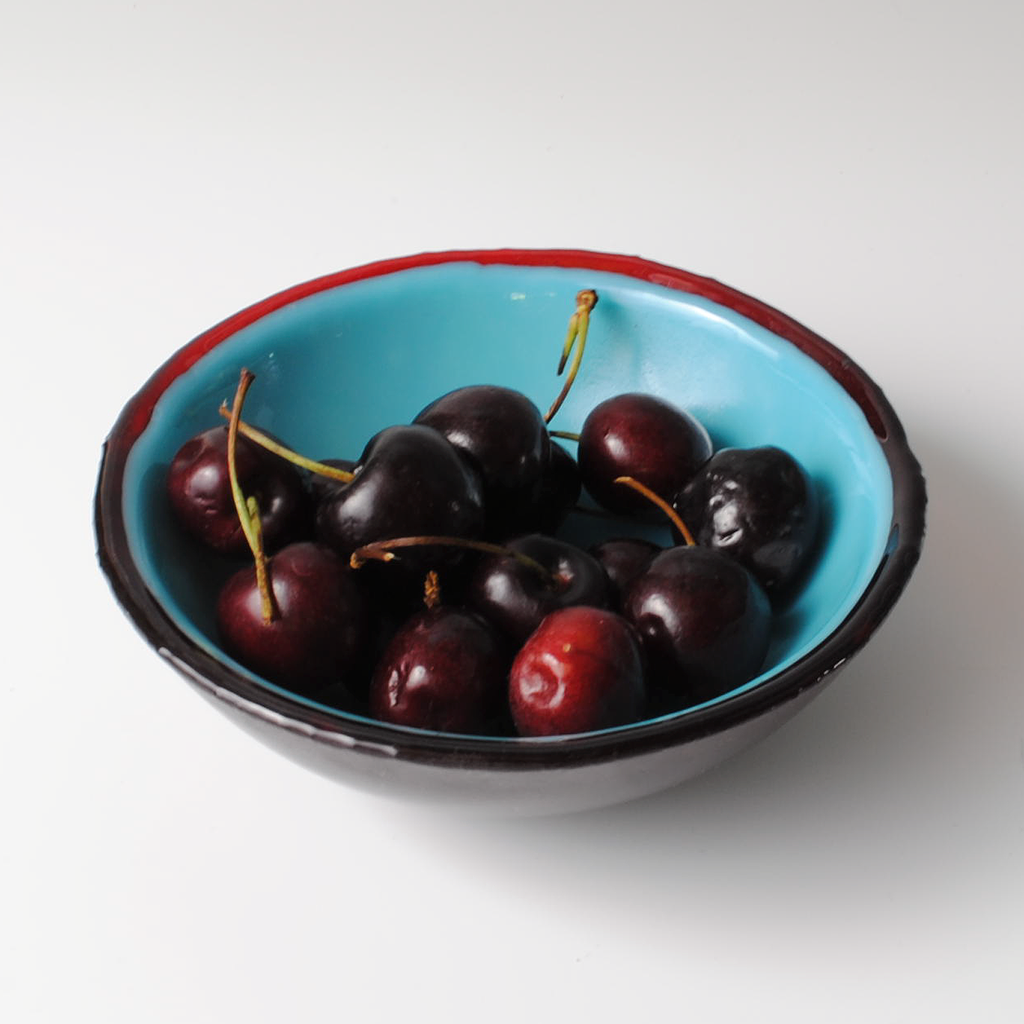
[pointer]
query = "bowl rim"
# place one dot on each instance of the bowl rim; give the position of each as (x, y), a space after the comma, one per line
(220, 680)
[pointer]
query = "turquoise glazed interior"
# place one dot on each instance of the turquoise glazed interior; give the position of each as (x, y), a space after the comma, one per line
(335, 367)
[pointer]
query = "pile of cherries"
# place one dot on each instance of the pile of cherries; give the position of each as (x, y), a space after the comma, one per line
(425, 585)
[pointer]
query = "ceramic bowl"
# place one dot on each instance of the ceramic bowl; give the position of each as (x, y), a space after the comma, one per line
(341, 357)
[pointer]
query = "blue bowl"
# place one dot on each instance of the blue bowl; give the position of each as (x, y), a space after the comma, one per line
(341, 357)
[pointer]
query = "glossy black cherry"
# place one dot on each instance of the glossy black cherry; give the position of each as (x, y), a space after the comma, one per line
(409, 480)
(758, 506)
(504, 436)
(323, 487)
(516, 598)
(703, 620)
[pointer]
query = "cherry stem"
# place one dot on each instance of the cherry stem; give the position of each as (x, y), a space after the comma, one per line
(267, 606)
(248, 509)
(565, 435)
(662, 504)
(432, 590)
(381, 551)
(258, 437)
(576, 337)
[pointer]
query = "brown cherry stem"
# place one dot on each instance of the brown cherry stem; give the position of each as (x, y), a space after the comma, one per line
(248, 509)
(662, 504)
(264, 441)
(381, 551)
(432, 590)
(565, 435)
(576, 337)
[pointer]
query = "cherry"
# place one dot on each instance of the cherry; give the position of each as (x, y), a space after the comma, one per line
(322, 487)
(623, 559)
(296, 618)
(560, 488)
(643, 437)
(579, 671)
(445, 669)
(703, 620)
(200, 492)
(758, 506)
(516, 596)
(314, 636)
(503, 435)
(409, 480)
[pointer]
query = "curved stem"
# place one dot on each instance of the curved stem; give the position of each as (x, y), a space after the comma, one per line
(665, 507)
(264, 441)
(579, 323)
(382, 551)
(250, 524)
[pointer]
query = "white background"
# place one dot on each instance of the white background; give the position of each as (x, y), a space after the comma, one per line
(857, 165)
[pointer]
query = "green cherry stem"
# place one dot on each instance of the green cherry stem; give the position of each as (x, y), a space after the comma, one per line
(247, 509)
(576, 338)
(565, 435)
(382, 551)
(264, 441)
(665, 507)
(267, 606)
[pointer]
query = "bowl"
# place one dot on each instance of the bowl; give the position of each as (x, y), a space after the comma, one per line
(341, 357)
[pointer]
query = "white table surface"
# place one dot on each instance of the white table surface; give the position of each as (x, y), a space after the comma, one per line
(860, 166)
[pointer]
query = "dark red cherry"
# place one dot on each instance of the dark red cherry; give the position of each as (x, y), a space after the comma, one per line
(409, 481)
(504, 436)
(703, 621)
(516, 597)
(643, 437)
(756, 505)
(200, 492)
(579, 671)
(315, 636)
(623, 559)
(445, 669)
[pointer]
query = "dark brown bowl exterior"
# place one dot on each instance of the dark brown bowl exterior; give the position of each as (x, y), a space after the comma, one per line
(517, 776)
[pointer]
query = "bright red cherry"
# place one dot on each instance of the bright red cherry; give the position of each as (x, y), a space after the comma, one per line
(579, 671)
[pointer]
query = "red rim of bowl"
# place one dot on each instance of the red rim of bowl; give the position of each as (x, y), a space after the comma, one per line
(219, 679)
